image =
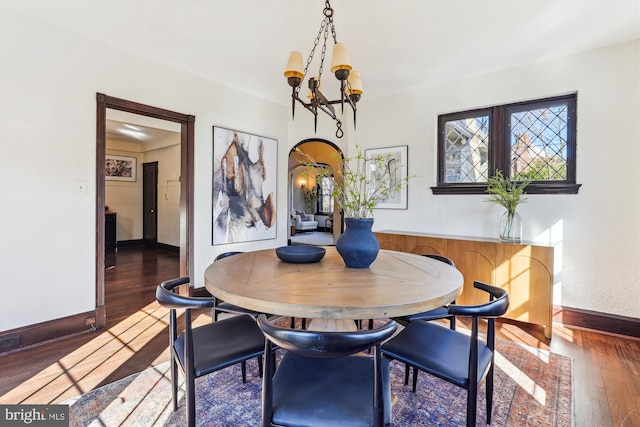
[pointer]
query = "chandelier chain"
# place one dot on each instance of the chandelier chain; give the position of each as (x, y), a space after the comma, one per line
(313, 50)
(328, 13)
(324, 51)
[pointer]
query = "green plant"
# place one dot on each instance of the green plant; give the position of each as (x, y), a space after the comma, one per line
(310, 196)
(505, 192)
(360, 189)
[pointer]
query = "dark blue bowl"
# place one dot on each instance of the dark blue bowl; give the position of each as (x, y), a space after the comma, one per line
(300, 254)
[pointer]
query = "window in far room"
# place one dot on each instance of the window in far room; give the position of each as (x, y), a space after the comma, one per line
(325, 198)
(533, 140)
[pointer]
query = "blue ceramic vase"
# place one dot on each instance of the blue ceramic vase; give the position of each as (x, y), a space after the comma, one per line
(358, 246)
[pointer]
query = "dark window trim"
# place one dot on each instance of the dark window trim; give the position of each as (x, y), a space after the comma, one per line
(319, 192)
(499, 154)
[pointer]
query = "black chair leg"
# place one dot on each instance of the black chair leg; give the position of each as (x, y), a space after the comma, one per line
(415, 378)
(406, 373)
(452, 326)
(174, 383)
(370, 324)
(190, 400)
(472, 398)
(489, 389)
(304, 323)
(260, 369)
(243, 368)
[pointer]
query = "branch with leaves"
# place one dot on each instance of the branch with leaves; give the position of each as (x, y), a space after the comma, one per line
(505, 192)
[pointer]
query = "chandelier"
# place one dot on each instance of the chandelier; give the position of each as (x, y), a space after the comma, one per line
(350, 83)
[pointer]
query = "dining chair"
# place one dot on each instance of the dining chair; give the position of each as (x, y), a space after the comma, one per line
(453, 356)
(220, 306)
(320, 380)
(205, 349)
(436, 313)
(224, 307)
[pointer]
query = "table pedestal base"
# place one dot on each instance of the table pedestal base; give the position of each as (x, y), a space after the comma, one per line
(332, 325)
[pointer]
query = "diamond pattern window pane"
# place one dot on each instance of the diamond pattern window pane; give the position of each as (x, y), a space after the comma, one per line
(539, 144)
(466, 153)
(326, 190)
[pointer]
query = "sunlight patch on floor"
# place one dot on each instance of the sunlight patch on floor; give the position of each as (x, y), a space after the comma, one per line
(116, 345)
(524, 381)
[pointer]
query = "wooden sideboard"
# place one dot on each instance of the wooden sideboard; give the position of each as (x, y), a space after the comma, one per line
(525, 270)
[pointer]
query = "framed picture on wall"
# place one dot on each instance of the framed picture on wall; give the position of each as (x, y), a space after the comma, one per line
(120, 168)
(395, 166)
(244, 187)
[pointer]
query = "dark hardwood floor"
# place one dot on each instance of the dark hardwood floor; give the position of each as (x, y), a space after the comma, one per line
(606, 379)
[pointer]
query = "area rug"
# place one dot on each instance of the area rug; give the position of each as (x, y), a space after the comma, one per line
(313, 238)
(532, 388)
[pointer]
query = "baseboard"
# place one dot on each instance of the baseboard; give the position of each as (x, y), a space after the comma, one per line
(130, 243)
(168, 248)
(160, 246)
(604, 322)
(39, 333)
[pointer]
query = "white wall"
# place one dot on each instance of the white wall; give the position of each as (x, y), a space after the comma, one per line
(48, 84)
(168, 159)
(596, 232)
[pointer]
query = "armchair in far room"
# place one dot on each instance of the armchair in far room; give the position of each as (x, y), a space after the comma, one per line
(305, 222)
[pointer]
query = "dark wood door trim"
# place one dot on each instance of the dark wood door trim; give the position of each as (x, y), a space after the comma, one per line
(186, 184)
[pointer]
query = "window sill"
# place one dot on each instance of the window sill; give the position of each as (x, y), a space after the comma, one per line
(545, 188)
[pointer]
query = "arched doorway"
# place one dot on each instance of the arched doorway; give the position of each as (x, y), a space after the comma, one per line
(327, 154)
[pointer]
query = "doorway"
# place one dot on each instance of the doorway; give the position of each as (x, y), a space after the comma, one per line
(186, 122)
(150, 204)
(330, 224)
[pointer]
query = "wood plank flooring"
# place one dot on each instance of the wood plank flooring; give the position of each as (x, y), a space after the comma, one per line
(606, 367)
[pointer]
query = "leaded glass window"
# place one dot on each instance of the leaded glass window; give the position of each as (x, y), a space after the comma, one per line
(532, 140)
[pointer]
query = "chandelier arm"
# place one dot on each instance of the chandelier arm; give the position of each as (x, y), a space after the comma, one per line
(329, 112)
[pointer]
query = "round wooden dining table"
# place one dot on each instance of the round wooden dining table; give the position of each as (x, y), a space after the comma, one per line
(395, 284)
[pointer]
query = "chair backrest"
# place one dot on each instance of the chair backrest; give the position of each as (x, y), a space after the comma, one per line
(168, 298)
(497, 306)
(440, 258)
(226, 254)
(325, 344)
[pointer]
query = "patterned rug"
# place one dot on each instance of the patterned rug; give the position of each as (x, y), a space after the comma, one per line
(532, 388)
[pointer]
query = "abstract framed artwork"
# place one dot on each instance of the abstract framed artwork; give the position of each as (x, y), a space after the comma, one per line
(244, 187)
(120, 168)
(396, 161)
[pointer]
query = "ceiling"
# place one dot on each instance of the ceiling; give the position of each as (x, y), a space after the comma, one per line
(141, 131)
(397, 45)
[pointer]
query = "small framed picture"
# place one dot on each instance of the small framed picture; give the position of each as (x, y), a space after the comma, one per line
(395, 166)
(120, 168)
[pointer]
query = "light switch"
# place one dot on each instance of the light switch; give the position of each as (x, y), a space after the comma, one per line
(80, 186)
